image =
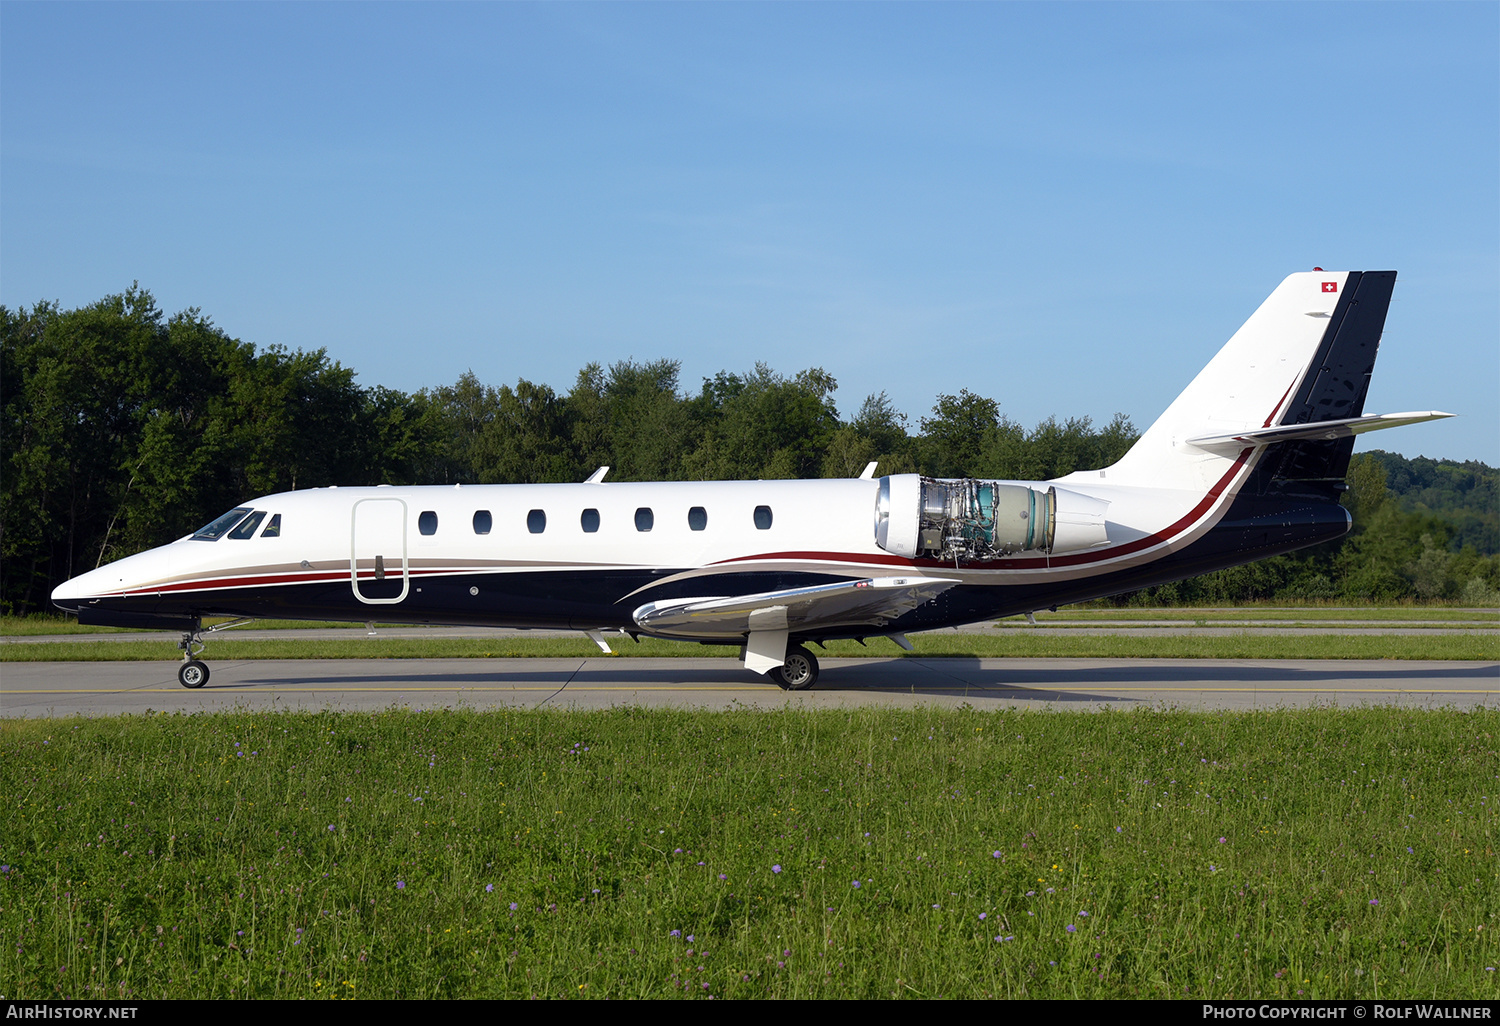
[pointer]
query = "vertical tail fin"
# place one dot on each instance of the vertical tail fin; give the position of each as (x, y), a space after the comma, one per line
(1304, 356)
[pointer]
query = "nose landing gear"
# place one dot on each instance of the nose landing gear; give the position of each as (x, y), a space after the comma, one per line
(193, 673)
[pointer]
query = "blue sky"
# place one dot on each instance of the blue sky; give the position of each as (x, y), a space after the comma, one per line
(1065, 207)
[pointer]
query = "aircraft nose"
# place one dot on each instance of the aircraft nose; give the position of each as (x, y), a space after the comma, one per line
(106, 580)
(65, 593)
(122, 578)
(73, 592)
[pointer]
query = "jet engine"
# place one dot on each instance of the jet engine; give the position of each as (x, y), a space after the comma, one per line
(969, 520)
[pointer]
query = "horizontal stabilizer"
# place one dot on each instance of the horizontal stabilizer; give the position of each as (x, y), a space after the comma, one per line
(869, 602)
(1322, 431)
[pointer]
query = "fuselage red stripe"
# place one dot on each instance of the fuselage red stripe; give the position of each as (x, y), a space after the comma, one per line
(1278, 405)
(218, 583)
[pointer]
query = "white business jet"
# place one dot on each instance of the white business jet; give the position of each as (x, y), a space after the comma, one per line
(1248, 462)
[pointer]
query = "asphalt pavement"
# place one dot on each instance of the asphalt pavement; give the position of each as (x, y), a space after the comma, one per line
(111, 688)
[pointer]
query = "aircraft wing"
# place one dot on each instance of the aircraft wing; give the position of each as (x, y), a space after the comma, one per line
(872, 601)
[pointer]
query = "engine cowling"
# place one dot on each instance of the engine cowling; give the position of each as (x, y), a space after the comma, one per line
(973, 520)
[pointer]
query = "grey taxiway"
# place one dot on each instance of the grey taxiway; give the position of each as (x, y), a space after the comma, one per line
(51, 689)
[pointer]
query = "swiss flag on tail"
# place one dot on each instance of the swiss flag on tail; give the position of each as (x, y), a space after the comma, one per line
(1330, 286)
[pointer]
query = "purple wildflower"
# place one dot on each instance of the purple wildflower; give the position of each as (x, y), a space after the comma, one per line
(513, 906)
(775, 869)
(489, 888)
(856, 885)
(1374, 901)
(1072, 928)
(400, 885)
(675, 933)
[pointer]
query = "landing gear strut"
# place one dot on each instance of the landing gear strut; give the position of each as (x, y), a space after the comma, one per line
(193, 673)
(798, 673)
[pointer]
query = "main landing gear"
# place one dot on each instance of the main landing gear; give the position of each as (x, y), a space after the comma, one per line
(798, 673)
(193, 673)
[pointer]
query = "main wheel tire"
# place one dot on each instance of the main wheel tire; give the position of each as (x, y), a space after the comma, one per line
(192, 674)
(799, 672)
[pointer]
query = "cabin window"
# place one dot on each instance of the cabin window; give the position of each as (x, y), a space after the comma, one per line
(216, 530)
(483, 521)
(427, 522)
(697, 518)
(589, 521)
(536, 521)
(762, 518)
(248, 526)
(644, 519)
(273, 529)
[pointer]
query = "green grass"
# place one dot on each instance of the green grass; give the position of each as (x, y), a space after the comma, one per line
(633, 853)
(1009, 644)
(1356, 614)
(1372, 627)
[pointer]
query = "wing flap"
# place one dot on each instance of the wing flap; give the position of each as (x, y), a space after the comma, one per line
(872, 602)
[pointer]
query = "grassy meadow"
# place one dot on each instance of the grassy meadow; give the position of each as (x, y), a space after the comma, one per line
(866, 853)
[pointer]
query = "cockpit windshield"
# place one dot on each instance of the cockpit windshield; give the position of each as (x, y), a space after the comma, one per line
(218, 528)
(247, 529)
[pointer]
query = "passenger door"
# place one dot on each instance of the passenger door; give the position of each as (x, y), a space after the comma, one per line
(377, 552)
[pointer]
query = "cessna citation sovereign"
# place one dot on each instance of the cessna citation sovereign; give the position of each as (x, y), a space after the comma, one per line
(1247, 462)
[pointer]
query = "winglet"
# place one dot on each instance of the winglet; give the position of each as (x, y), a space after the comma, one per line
(869, 471)
(597, 477)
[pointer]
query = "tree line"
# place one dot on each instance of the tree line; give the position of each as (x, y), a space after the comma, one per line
(124, 428)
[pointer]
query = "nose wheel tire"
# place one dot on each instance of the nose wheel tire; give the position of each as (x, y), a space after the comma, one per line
(192, 674)
(798, 673)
